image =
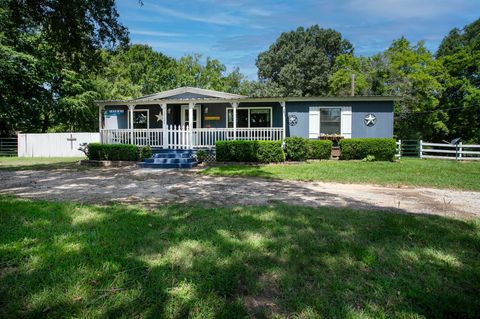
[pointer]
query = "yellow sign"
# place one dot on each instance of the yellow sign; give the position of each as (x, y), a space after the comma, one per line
(212, 118)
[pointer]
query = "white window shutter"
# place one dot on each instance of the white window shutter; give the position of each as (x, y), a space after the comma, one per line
(346, 122)
(314, 122)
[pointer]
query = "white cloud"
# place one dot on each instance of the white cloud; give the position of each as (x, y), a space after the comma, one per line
(222, 18)
(156, 33)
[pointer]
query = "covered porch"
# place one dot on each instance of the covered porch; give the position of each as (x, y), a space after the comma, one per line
(191, 124)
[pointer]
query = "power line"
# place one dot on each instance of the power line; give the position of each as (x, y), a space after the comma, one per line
(422, 112)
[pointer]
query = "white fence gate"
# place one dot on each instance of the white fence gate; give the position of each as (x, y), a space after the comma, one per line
(53, 144)
(459, 151)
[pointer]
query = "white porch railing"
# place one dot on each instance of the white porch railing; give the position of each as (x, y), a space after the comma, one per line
(141, 137)
(181, 137)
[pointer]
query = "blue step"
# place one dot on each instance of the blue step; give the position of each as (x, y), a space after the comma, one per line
(169, 160)
(172, 155)
(179, 151)
(167, 165)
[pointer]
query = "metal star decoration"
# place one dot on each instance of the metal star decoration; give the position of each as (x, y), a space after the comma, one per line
(159, 116)
(370, 120)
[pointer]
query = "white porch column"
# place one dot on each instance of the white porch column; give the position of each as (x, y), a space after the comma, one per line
(191, 105)
(131, 107)
(284, 120)
(234, 106)
(101, 109)
(164, 125)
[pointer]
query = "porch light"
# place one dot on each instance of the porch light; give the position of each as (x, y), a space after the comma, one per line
(169, 110)
(205, 109)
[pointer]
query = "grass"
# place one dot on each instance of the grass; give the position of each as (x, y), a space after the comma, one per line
(414, 172)
(38, 163)
(62, 260)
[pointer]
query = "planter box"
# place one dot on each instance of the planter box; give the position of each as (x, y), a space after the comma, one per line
(335, 152)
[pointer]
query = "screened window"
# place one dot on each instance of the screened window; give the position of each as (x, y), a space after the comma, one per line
(140, 119)
(250, 117)
(330, 120)
(260, 118)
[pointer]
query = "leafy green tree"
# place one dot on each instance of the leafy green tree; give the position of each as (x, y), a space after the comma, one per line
(134, 71)
(39, 41)
(459, 53)
(340, 81)
(300, 61)
(75, 30)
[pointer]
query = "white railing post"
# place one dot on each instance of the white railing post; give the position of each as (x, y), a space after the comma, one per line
(284, 120)
(234, 106)
(130, 113)
(421, 149)
(164, 125)
(101, 109)
(460, 150)
(191, 105)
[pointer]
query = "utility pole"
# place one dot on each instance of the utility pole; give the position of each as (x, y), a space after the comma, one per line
(353, 84)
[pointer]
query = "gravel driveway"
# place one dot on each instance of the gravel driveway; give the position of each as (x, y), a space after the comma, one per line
(153, 187)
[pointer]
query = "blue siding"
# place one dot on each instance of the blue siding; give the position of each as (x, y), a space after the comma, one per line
(382, 110)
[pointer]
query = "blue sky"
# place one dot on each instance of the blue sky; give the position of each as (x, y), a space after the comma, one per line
(236, 31)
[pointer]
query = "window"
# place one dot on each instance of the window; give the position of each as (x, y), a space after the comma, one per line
(140, 119)
(330, 120)
(250, 117)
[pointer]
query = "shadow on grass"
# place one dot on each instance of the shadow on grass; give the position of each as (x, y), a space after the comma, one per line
(44, 166)
(239, 170)
(59, 259)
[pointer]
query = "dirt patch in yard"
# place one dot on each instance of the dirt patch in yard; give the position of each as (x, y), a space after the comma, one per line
(155, 187)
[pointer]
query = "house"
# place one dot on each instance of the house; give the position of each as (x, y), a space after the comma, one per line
(189, 118)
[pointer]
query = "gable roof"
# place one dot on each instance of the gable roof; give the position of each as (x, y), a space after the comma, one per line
(187, 92)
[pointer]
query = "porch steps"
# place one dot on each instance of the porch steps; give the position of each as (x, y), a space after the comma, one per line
(169, 159)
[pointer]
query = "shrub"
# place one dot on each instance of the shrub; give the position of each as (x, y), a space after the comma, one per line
(145, 152)
(112, 152)
(319, 149)
(249, 151)
(236, 151)
(201, 155)
(382, 149)
(270, 152)
(296, 148)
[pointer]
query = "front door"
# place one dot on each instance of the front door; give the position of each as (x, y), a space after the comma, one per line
(197, 119)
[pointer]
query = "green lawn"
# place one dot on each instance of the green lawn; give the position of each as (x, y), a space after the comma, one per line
(415, 172)
(61, 260)
(23, 163)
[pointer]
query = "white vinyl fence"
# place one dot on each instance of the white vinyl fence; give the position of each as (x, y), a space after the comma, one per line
(459, 152)
(53, 144)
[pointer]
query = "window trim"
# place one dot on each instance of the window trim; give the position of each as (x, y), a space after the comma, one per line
(320, 117)
(249, 108)
(139, 110)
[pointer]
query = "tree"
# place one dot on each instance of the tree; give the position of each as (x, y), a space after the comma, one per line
(75, 30)
(340, 81)
(300, 61)
(40, 41)
(459, 53)
(134, 71)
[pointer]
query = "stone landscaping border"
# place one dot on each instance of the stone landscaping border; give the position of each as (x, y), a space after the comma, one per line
(107, 163)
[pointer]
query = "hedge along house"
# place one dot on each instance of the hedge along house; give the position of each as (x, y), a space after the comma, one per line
(188, 118)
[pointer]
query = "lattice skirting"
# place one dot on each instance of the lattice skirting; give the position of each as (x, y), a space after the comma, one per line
(210, 156)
